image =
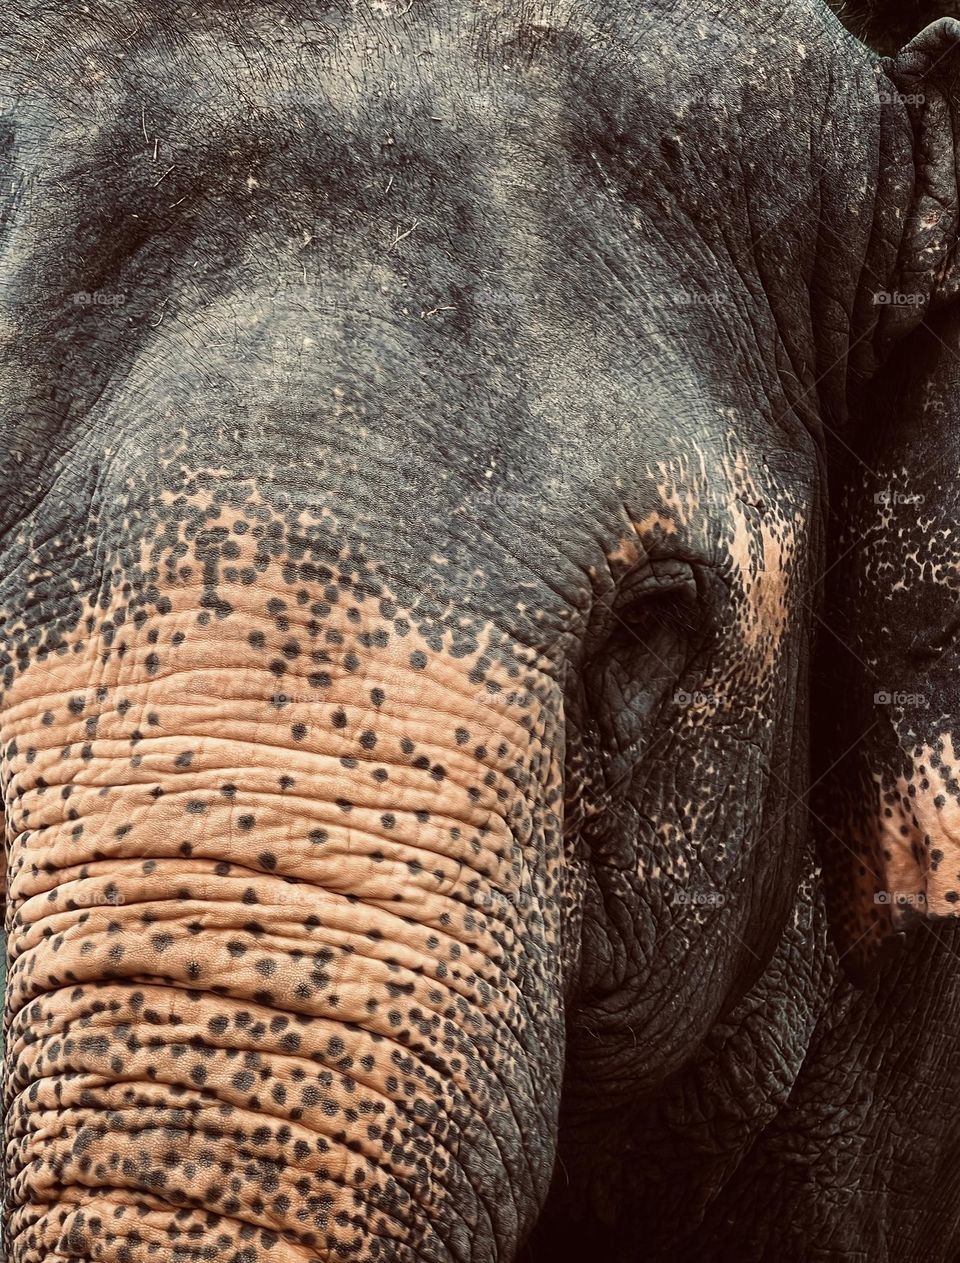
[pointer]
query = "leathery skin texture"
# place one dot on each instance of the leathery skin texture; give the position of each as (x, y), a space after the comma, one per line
(345, 942)
(412, 503)
(894, 795)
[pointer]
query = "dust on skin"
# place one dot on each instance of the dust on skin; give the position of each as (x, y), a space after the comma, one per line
(338, 949)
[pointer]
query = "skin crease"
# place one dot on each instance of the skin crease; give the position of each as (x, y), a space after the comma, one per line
(412, 508)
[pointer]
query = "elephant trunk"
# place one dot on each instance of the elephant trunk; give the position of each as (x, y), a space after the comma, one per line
(284, 974)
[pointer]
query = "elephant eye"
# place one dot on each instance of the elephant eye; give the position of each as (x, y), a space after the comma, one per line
(667, 601)
(675, 608)
(651, 633)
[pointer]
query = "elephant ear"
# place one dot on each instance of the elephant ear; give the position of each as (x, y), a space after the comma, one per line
(886, 803)
(921, 86)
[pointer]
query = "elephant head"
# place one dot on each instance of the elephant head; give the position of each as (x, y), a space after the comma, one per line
(412, 507)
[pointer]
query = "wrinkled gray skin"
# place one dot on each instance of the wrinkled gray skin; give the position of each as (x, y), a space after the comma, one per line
(464, 353)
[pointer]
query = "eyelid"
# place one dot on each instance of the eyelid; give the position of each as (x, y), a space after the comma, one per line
(662, 579)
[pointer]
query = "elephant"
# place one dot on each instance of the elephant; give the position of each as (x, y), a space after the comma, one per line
(414, 504)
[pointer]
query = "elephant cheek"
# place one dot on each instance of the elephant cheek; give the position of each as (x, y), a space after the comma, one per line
(284, 967)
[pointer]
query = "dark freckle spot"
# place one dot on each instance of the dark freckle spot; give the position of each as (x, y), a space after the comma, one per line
(344, 804)
(388, 821)
(350, 661)
(228, 790)
(298, 731)
(245, 822)
(278, 667)
(286, 782)
(250, 895)
(338, 719)
(267, 860)
(152, 663)
(406, 745)
(184, 759)
(318, 836)
(368, 739)
(257, 639)
(951, 896)
(196, 807)
(418, 660)
(377, 696)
